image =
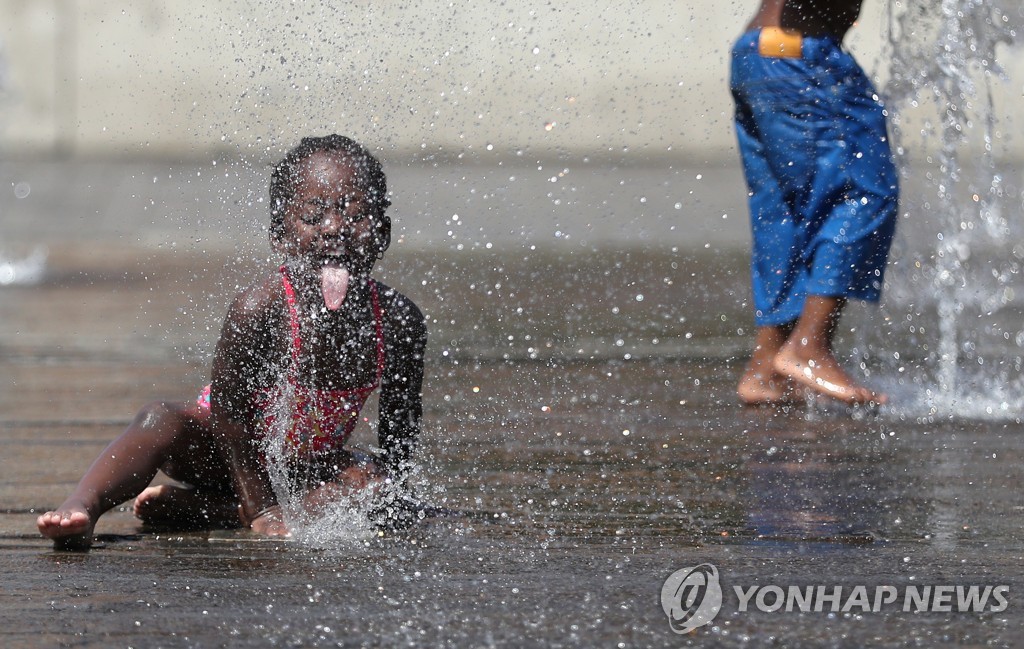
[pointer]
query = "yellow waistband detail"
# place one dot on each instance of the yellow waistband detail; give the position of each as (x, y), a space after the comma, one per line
(778, 43)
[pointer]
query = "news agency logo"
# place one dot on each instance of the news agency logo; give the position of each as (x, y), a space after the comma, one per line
(691, 597)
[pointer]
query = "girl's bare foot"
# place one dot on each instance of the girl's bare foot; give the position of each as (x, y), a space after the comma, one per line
(820, 372)
(70, 527)
(271, 523)
(165, 505)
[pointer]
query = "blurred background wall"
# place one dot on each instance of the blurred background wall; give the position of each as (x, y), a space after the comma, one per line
(187, 80)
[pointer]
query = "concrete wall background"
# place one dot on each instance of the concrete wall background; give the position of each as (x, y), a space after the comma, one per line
(169, 77)
(185, 79)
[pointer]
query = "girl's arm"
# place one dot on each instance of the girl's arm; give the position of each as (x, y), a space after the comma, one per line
(242, 349)
(401, 397)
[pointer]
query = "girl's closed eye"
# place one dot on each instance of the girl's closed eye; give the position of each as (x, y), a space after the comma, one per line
(350, 207)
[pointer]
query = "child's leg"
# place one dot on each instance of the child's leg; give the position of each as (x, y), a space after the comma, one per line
(807, 356)
(760, 383)
(186, 507)
(207, 499)
(161, 434)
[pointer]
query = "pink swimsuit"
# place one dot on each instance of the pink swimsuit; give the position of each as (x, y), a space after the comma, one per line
(322, 420)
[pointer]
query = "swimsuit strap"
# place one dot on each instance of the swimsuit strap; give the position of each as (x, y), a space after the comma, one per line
(293, 316)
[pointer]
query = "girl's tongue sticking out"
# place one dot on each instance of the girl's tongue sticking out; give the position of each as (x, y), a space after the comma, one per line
(334, 284)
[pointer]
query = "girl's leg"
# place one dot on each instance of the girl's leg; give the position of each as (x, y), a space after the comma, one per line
(161, 434)
(184, 507)
(207, 498)
(807, 356)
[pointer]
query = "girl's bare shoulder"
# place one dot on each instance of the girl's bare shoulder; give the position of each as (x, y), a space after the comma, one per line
(257, 305)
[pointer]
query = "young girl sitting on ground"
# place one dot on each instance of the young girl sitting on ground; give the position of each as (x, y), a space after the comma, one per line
(298, 355)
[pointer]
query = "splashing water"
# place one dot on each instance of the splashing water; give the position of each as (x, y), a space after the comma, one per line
(966, 271)
(342, 521)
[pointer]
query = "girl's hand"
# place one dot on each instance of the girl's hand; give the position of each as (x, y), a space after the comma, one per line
(270, 522)
(360, 480)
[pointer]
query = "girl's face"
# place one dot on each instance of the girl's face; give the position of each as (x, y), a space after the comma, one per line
(331, 219)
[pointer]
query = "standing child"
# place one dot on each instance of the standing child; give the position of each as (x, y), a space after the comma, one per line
(823, 193)
(298, 355)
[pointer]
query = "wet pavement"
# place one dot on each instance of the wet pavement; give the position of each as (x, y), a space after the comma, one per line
(579, 411)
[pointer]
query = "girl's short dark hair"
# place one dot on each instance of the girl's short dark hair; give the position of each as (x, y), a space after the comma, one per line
(286, 173)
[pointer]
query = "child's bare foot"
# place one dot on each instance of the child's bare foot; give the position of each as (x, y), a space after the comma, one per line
(760, 384)
(819, 371)
(759, 388)
(164, 505)
(70, 527)
(271, 523)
